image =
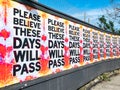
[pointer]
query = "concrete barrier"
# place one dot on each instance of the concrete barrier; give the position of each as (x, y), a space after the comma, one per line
(44, 49)
(69, 80)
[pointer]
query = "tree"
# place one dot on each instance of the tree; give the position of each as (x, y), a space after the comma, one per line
(105, 24)
(102, 23)
(111, 21)
(111, 26)
(116, 14)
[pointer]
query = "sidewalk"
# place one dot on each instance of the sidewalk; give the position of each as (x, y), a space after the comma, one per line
(113, 84)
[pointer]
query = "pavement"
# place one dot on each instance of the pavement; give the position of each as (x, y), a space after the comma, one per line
(113, 84)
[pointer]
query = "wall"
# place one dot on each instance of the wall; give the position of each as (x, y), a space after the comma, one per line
(41, 47)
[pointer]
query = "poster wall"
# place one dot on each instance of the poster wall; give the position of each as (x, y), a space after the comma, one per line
(34, 43)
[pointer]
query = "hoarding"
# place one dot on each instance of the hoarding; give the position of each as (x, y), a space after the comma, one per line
(34, 43)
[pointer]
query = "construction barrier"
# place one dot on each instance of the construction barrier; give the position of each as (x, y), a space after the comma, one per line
(46, 49)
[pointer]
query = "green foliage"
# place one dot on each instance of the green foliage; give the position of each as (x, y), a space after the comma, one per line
(105, 77)
(114, 13)
(111, 25)
(113, 17)
(118, 31)
(106, 25)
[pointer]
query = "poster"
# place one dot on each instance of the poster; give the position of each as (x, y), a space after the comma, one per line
(101, 40)
(119, 45)
(95, 45)
(86, 45)
(34, 44)
(74, 44)
(114, 42)
(108, 42)
(56, 43)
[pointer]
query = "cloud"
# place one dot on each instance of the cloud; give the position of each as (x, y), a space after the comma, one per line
(35, 0)
(92, 15)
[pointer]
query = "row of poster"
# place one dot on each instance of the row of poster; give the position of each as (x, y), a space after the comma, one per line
(34, 43)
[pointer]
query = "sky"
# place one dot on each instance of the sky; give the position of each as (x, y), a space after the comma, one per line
(92, 9)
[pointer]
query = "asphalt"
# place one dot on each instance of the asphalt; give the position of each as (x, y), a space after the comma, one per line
(113, 84)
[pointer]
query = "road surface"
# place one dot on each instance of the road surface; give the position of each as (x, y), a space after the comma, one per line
(113, 84)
